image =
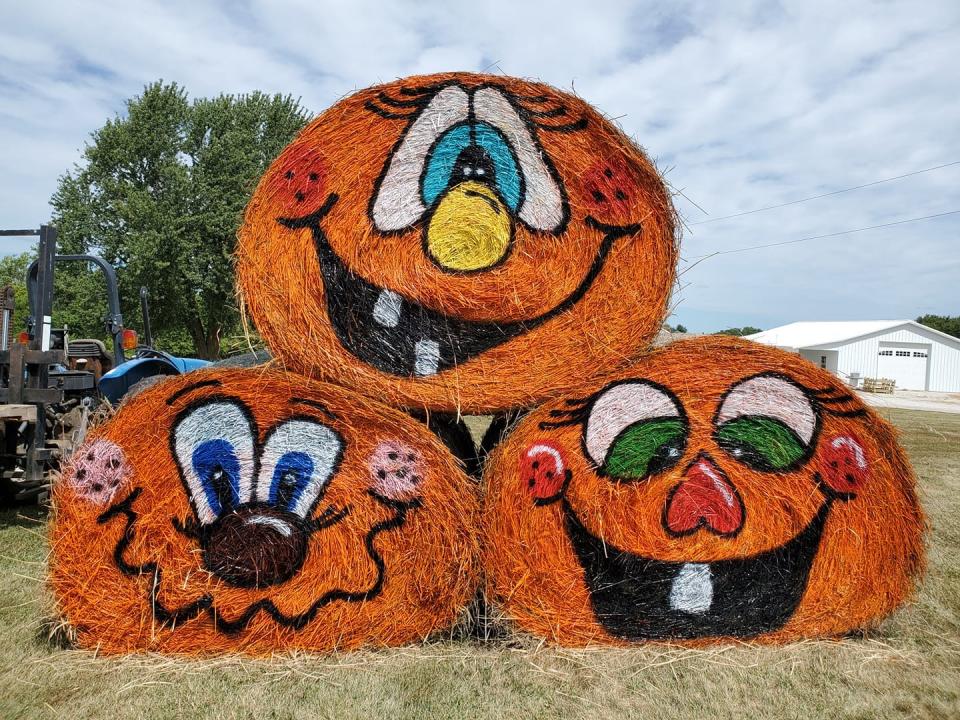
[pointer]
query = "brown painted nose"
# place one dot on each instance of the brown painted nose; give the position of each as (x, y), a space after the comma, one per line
(704, 498)
(256, 546)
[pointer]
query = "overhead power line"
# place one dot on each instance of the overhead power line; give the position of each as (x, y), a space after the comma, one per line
(700, 258)
(823, 195)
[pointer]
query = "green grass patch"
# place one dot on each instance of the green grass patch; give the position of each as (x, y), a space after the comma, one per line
(910, 667)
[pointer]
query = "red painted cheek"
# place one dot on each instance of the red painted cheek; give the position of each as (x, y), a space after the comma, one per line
(299, 182)
(543, 471)
(610, 192)
(843, 465)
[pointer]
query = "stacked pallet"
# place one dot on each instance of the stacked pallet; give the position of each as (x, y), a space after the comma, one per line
(879, 385)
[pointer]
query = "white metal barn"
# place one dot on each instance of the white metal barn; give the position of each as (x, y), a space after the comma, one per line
(917, 357)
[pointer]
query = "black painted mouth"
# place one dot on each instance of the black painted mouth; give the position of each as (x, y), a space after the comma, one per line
(402, 337)
(638, 598)
(205, 604)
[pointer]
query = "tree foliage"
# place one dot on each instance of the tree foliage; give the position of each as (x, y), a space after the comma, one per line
(740, 332)
(949, 324)
(160, 194)
(13, 272)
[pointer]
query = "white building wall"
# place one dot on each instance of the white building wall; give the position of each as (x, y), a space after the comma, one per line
(860, 356)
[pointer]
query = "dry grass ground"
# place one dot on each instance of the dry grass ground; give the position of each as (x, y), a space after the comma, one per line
(909, 668)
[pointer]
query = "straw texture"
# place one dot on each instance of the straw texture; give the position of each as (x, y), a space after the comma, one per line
(459, 242)
(253, 511)
(717, 489)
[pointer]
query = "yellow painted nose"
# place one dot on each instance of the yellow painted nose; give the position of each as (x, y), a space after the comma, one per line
(470, 229)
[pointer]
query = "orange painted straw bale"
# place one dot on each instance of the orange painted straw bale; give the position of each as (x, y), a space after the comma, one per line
(718, 489)
(459, 241)
(249, 511)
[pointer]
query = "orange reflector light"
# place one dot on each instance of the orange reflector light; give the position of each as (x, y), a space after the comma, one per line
(23, 338)
(129, 339)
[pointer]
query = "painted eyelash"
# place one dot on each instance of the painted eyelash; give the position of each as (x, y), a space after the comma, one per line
(578, 412)
(532, 115)
(824, 397)
(388, 114)
(423, 95)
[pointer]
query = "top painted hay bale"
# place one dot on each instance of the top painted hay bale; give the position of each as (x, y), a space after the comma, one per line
(719, 489)
(459, 241)
(250, 511)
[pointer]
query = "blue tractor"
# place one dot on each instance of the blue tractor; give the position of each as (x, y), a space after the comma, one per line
(113, 374)
(49, 384)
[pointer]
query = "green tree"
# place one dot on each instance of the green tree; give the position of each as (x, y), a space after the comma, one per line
(13, 272)
(160, 194)
(739, 332)
(944, 323)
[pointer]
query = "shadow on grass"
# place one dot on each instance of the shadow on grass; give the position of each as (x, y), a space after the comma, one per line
(29, 516)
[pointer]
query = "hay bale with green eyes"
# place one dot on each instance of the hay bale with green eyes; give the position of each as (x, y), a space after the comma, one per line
(718, 489)
(251, 511)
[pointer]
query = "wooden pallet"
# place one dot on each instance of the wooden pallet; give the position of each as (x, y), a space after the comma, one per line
(879, 385)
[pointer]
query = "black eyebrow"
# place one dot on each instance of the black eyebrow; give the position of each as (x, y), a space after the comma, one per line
(190, 388)
(314, 404)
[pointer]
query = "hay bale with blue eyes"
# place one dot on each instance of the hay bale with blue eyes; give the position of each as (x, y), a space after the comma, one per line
(718, 489)
(254, 512)
(459, 242)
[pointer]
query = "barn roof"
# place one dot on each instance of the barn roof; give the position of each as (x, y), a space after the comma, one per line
(820, 334)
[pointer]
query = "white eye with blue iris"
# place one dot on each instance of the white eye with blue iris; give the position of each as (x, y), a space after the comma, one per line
(299, 457)
(213, 445)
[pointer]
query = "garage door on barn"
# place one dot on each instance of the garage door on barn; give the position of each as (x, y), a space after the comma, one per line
(904, 362)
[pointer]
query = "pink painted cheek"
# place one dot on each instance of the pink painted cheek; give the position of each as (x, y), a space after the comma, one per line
(396, 470)
(843, 465)
(543, 470)
(97, 471)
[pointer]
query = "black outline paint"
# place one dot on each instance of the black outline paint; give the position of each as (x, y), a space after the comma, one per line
(206, 602)
(809, 448)
(582, 409)
(350, 300)
(703, 521)
(526, 117)
(630, 594)
(189, 409)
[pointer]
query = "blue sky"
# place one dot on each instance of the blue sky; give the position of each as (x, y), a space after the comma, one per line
(742, 105)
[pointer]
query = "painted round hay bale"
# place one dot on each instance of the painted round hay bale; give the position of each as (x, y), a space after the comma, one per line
(251, 511)
(718, 489)
(459, 241)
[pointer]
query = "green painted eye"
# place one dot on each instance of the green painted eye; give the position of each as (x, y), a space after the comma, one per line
(645, 448)
(761, 442)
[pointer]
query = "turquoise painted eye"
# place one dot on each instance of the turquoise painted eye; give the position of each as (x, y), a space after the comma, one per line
(491, 153)
(763, 443)
(646, 448)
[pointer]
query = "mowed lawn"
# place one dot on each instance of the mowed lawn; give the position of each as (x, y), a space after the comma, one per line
(910, 667)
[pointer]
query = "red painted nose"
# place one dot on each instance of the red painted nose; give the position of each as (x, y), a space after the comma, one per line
(704, 498)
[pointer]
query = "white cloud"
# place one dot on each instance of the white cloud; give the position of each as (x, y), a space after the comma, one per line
(748, 104)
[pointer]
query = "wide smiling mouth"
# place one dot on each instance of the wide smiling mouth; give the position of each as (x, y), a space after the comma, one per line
(400, 336)
(640, 598)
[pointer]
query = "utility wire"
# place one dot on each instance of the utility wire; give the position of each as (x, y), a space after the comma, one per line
(700, 258)
(835, 192)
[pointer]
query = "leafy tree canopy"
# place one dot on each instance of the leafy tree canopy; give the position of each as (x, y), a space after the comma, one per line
(739, 332)
(160, 194)
(949, 324)
(13, 272)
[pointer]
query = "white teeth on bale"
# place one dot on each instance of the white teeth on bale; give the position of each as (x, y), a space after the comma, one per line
(426, 357)
(386, 310)
(692, 589)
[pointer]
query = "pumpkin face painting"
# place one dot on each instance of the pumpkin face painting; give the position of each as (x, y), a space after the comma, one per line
(719, 489)
(458, 241)
(255, 512)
